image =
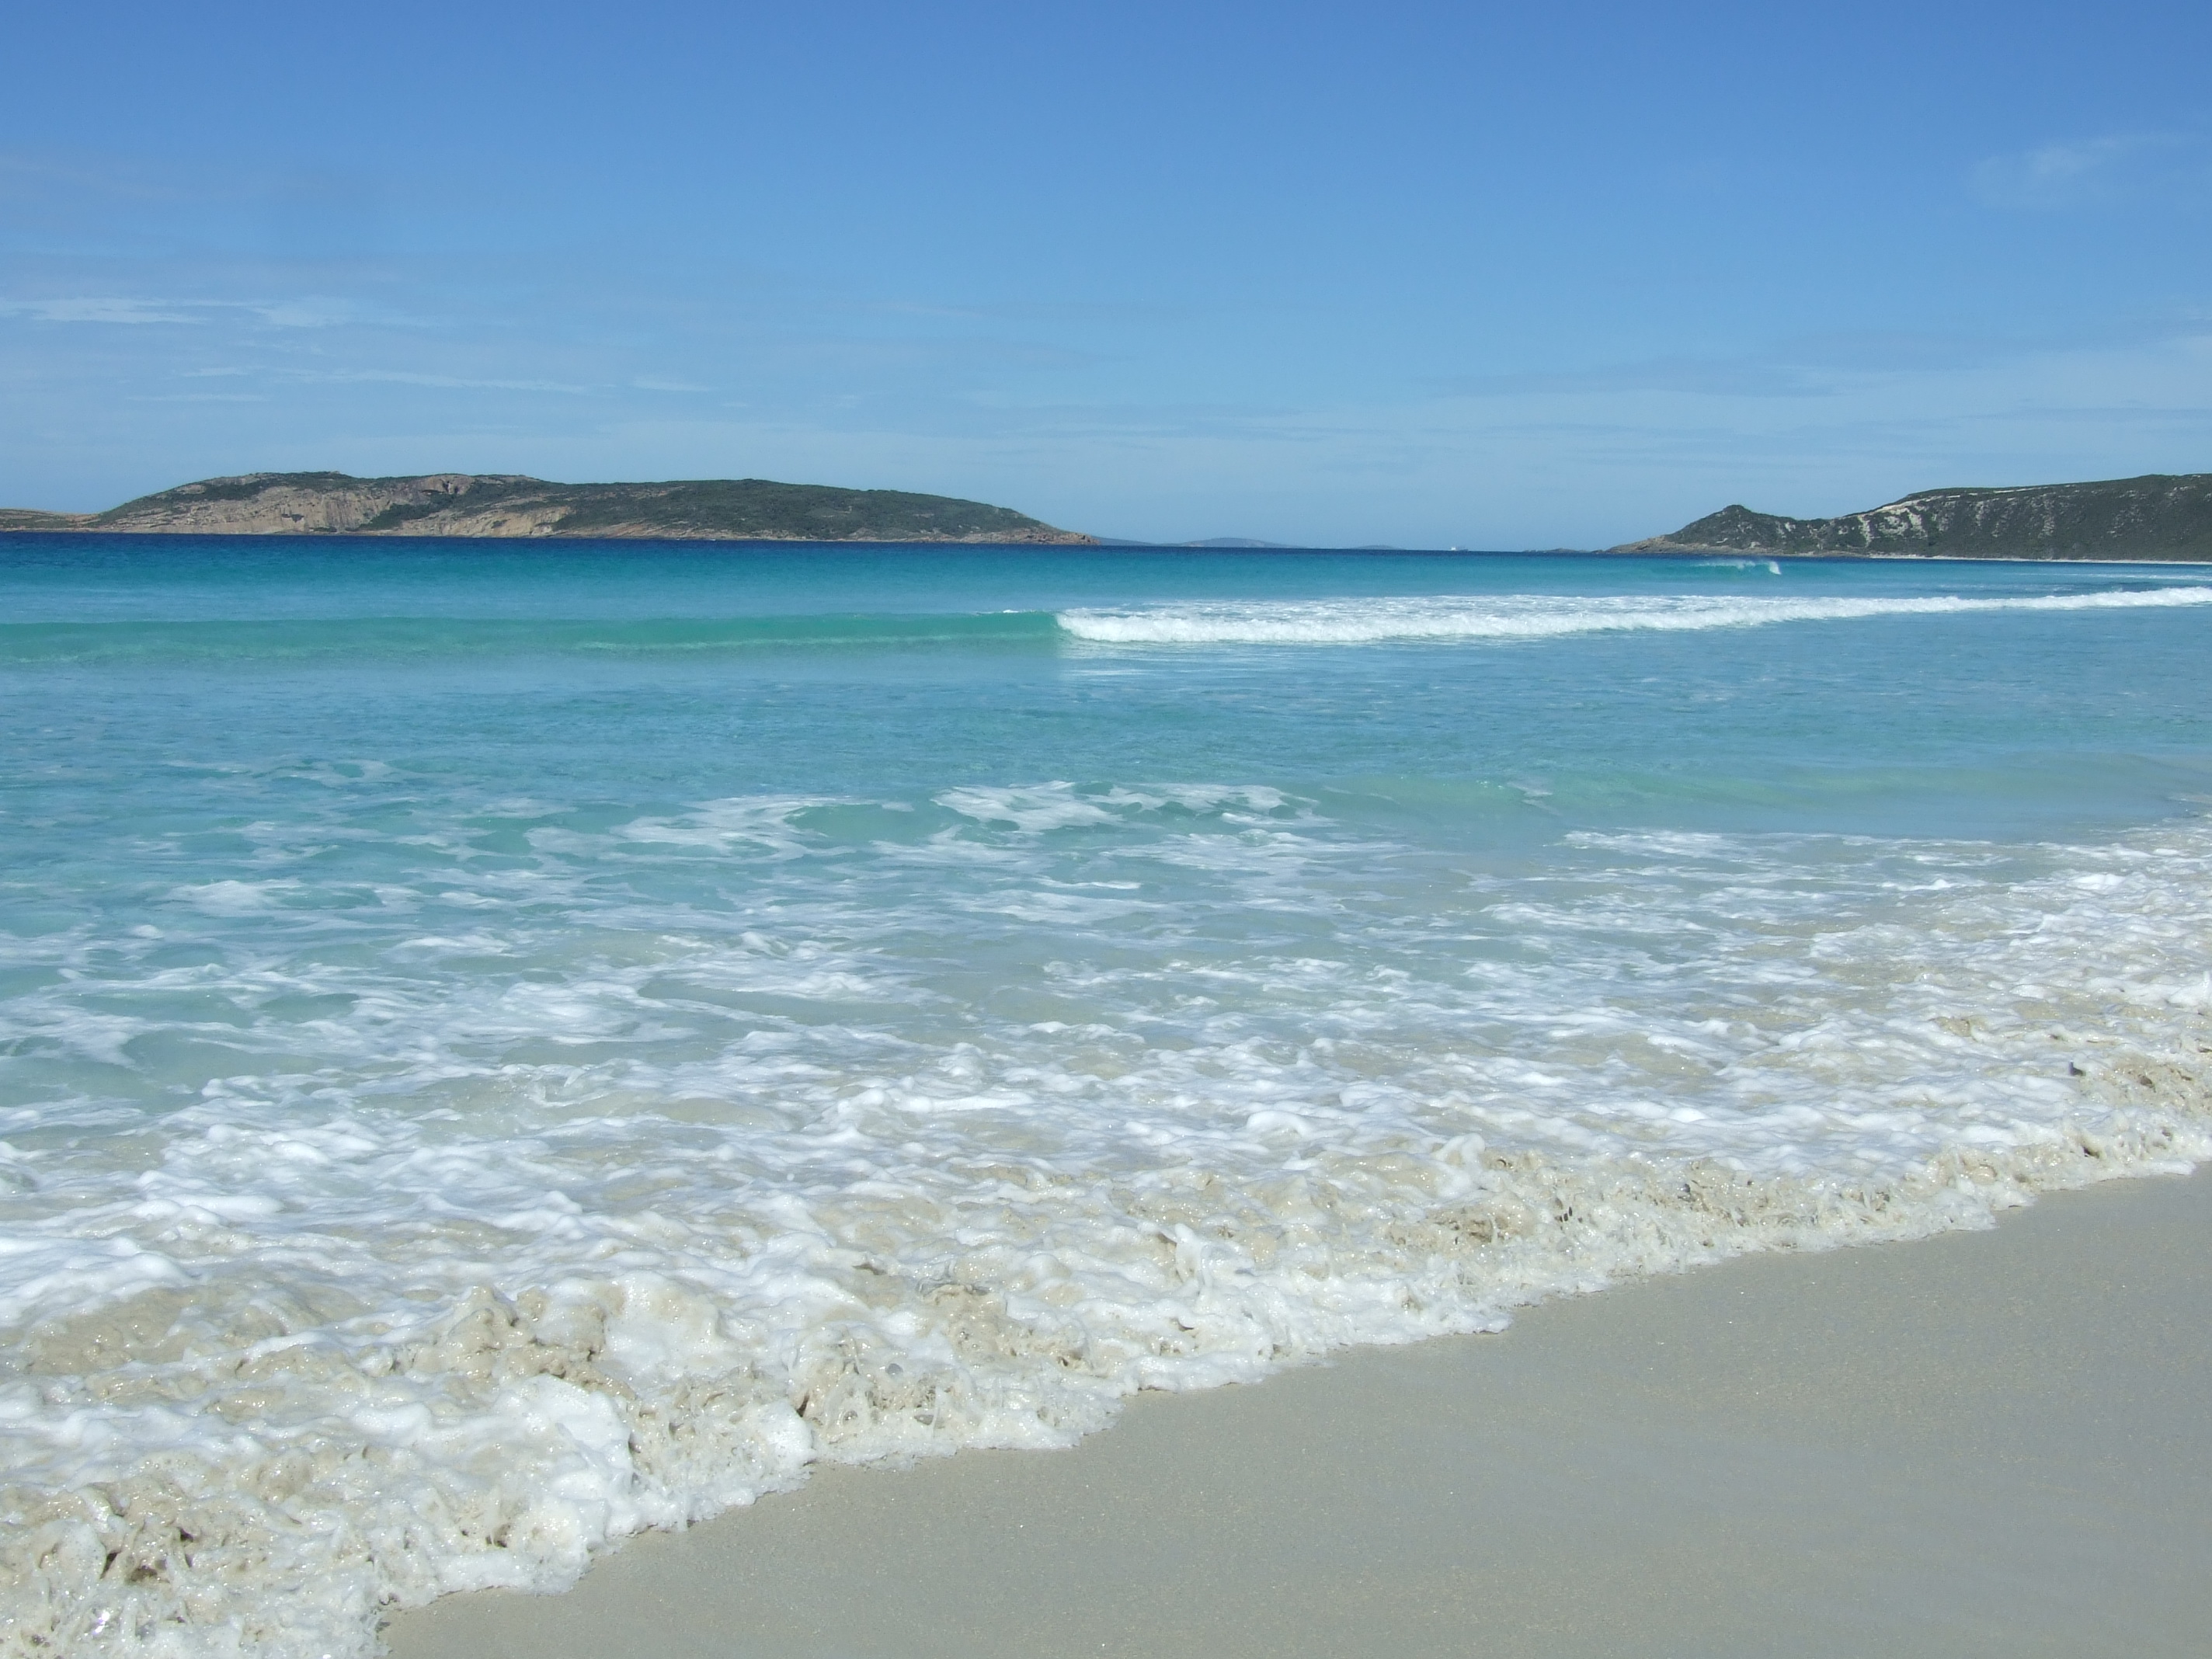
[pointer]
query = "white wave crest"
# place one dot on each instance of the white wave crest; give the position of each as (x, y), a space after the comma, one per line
(589, 1203)
(1543, 616)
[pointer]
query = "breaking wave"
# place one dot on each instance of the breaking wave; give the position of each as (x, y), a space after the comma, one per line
(1536, 616)
(573, 1207)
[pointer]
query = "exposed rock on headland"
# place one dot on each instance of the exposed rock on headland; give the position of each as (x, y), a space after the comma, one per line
(505, 504)
(2159, 516)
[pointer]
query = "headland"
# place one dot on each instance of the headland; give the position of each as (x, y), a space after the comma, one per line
(2160, 516)
(511, 505)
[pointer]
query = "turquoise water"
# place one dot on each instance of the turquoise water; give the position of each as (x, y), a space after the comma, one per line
(503, 1046)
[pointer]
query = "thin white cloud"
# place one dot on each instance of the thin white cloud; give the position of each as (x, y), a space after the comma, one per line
(303, 314)
(109, 308)
(647, 383)
(98, 309)
(2079, 171)
(1810, 366)
(453, 382)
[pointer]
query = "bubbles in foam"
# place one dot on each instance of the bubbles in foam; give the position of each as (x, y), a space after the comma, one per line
(538, 1201)
(1536, 616)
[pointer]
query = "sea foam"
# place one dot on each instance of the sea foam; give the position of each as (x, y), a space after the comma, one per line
(588, 1201)
(1536, 617)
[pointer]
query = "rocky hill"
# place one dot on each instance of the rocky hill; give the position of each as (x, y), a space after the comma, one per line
(2159, 516)
(500, 504)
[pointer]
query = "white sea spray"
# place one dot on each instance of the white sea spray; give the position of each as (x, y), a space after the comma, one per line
(585, 1203)
(1536, 617)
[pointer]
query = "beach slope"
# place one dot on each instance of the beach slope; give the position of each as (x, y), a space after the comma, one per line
(1983, 1444)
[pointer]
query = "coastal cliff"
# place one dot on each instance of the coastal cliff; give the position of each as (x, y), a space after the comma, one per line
(2159, 516)
(510, 505)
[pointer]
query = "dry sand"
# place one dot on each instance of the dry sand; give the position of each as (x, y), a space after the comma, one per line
(1984, 1443)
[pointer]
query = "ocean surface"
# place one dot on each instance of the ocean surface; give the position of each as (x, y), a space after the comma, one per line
(501, 1046)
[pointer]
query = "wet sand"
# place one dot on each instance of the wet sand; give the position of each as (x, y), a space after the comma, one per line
(1985, 1444)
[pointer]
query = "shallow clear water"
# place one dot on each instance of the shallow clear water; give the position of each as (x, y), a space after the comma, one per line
(503, 1046)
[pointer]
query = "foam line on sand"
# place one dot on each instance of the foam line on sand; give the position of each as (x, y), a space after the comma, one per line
(1982, 1444)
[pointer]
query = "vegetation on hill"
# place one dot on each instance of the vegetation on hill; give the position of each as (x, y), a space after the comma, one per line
(504, 505)
(2159, 516)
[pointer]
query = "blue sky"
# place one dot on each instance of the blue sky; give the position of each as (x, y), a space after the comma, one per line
(1496, 276)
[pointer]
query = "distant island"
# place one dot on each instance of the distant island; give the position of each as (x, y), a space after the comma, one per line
(2159, 516)
(503, 504)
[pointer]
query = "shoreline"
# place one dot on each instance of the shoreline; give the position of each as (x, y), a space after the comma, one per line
(1985, 1442)
(1878, 558)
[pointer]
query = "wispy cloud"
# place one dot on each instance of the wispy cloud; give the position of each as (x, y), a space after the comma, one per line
(1808, 365)
(25, 175)
(2085, 172)
(1022, 311)
(98, 309)
(451, 382)
(1802, 368)
(110, 308)
(1719, 377)
(303, 314)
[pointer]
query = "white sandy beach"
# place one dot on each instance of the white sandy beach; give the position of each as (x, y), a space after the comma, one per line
(1988, 1443)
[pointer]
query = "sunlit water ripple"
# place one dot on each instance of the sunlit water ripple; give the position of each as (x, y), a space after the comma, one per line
(500, 1048)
